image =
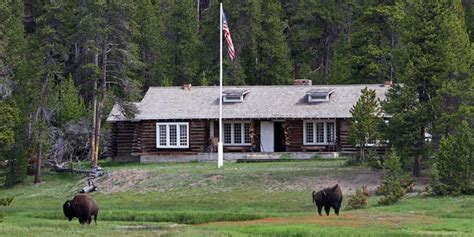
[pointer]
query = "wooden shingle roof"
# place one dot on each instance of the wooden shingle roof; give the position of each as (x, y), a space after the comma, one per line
(262, 102)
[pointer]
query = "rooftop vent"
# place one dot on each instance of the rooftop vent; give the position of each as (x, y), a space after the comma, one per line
(234, 95)
(319, 95)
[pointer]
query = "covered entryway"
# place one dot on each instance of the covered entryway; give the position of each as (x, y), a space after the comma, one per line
(267, 136)
(272, 136)
(279, 137)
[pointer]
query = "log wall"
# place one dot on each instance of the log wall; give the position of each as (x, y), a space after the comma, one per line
(198, 137)
(132, 139)
(122, 140)
(294, 135)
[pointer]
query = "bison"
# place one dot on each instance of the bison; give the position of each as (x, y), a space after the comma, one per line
(327, 198)
(83, 207)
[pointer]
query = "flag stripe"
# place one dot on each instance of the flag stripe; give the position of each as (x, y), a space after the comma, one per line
(228, 39)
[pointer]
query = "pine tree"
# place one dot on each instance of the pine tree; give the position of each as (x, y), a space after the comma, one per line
(373, 43)
(391, 188)
(234, 73)
(457, 81)
(427, 58)
(251, 27)
(182, 41)
(9, 117)
(70, 105)
(366, 120)
(455, 162)
(16, 104)
(53, 32)
(273, 65)
(302, 33)
(149, 37)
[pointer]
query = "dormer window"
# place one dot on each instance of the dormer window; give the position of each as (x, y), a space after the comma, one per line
(234, 96)
(319, 95)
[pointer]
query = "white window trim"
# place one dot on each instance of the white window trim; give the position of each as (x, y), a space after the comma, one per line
(325, 122)
(242, 131)
(178, 134)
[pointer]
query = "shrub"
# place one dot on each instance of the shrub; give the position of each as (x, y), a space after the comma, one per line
(353, 160)
(392, 188)
(4, 202)
(374, 160)
(359, 199)
(454, 164)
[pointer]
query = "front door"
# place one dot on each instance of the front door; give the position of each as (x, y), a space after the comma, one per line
(279, 137)
(267, 136)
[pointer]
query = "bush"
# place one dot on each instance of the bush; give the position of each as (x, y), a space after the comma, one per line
(392, 188)
(454, 164)
(353, 160)
(359, 199)
(374, 160)
(4, 202)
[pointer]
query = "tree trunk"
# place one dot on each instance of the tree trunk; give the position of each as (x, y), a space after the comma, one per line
(41, 117)
(362, 153)
(419, 156)
(38, 164)
(92, 150)
(103, 95)
(417, 166)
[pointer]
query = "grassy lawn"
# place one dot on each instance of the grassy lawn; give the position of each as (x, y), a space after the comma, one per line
(196, 199)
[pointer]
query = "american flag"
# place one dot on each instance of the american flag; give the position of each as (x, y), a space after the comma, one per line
(230, 45)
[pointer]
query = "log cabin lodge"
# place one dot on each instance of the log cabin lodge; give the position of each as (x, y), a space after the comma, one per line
(183, 121)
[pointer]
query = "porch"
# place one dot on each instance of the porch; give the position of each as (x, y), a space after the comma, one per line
(236, 156)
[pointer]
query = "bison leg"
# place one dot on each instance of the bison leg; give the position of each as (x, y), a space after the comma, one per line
(320, 208)
(327, 209)
(337, 207)
(95, 218)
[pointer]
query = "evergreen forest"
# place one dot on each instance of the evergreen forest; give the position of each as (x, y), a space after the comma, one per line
(64, 64)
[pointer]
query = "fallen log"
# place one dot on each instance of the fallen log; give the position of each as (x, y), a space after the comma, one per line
(61, 168)
(89, 188)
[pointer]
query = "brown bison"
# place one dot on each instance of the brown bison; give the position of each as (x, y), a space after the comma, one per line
(83, 207)
(327, 198)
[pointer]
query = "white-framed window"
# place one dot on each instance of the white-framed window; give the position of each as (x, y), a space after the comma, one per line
(319, 132)
(172, 135)
(236, 133)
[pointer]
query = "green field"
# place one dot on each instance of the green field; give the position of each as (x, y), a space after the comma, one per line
(196, 199)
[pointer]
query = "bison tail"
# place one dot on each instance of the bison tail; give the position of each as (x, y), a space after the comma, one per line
(312, 196)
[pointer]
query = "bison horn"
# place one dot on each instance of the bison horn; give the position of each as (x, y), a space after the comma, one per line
(324, 193)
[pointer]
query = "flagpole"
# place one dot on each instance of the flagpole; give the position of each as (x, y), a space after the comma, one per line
(220, 145)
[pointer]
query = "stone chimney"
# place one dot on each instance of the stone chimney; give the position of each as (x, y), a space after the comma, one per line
(186, 87)
(302, 82)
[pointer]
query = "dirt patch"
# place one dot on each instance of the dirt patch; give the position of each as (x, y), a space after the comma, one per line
(346, 220)
(122, 180)
(349, 181)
